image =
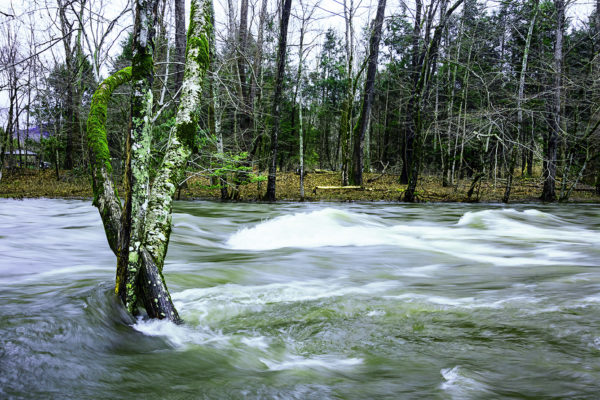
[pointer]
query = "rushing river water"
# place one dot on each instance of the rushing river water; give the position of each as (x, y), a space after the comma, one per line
(309, 301)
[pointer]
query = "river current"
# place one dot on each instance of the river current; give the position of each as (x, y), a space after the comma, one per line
(309, 301)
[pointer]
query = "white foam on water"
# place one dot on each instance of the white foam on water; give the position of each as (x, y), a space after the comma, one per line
(183, 336)
(190, 226)
(482, 236)
(595, 299)
(316, 362)
(426, 271)
(327, 227)
(437, 300)
(459, 385)
(517, 302)
(180, 335)
(525, 225)
(376, 313)
(227, 301)
(259, 342)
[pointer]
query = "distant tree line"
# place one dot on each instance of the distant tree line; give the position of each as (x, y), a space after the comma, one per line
(462, 90)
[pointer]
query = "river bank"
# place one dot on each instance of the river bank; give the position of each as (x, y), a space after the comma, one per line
(319, 186)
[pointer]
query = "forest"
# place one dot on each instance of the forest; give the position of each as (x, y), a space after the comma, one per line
(458, 91)
(156, 120)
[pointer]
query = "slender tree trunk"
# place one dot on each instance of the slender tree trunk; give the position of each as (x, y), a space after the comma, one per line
(257, 83)
(245, 112)
(549, 190)
(214, 114)
(281, 52)
(180, 43)
(301, 149)
(67, 28)
(298, 101)
(346, 114)
(418, 100)
(6, 144)
(363, 120)
(408, 149)
(520, 130)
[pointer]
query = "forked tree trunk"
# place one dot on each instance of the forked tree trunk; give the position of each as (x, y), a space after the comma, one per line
(139, 271)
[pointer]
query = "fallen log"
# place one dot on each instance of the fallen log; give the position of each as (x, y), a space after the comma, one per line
(337, 188)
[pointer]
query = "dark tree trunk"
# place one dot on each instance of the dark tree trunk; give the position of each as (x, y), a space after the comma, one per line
(549, 190)
(70, 124)
(6, 140)
(409, 134)
(281, 52)
(520, 135)
(180, 42)
(363, 120)
(245, 109)
(417, 103)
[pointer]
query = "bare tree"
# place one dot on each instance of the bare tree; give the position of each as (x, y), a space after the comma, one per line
(549, 190)
(513, 151)
(365, 113)
(281, 52)
(424, 69)
(305, 17)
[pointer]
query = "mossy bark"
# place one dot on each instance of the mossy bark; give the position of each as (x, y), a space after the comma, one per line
(106, 197)
(183, 136)
(139, 232)
(137, 177)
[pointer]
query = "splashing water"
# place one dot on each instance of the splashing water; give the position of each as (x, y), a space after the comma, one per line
(309, 301)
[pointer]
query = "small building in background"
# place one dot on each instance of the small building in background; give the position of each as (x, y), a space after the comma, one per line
(23, 158)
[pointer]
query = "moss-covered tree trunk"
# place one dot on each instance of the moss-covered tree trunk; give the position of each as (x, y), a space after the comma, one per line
(137, 177)
(138, 233)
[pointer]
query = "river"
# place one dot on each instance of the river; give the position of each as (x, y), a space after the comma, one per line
(309, 301)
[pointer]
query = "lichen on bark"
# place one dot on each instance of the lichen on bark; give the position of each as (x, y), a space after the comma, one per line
(182, 138)
(137, 182)
(139, 232)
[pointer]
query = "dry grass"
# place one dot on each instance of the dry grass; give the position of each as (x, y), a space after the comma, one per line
(35, 183)
(30, 183)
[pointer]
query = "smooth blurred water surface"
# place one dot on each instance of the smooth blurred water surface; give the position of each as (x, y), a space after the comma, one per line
(309, 301)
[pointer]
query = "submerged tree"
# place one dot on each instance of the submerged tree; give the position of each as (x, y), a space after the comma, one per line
(138, 232)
